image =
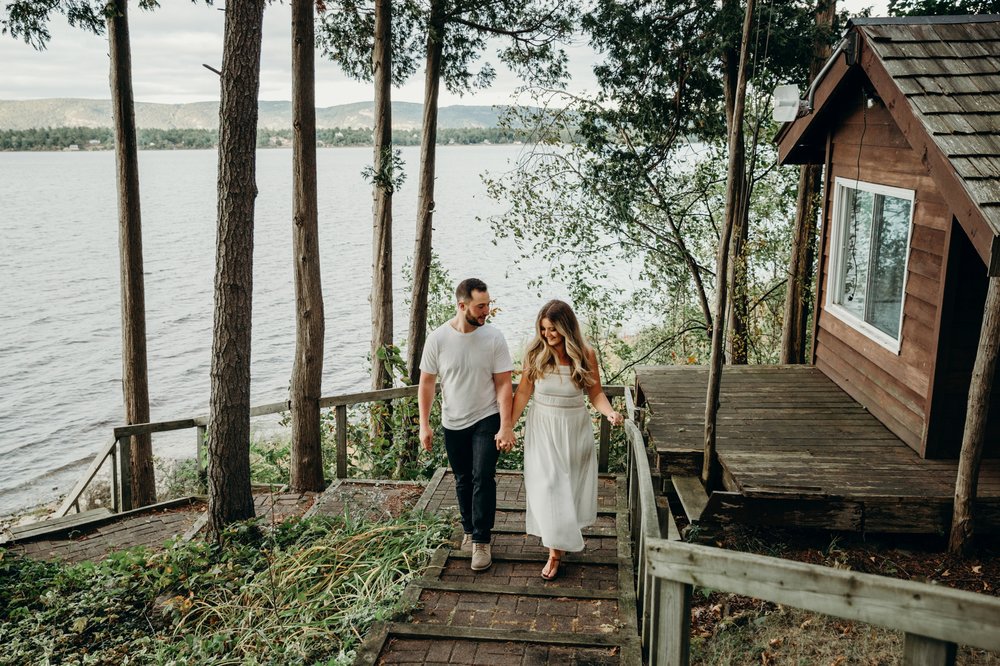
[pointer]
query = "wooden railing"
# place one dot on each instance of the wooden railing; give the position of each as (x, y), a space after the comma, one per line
(648, 523)
(117, 449)
(934, 619)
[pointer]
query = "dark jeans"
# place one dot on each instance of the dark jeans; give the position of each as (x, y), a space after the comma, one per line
(472, 453)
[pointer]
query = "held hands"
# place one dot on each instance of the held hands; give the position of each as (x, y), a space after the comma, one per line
(505, 439)
(616, 419)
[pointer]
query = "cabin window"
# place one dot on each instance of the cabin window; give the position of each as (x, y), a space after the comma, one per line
(870, 245)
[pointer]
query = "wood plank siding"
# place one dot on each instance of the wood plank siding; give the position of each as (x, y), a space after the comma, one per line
(867, 145)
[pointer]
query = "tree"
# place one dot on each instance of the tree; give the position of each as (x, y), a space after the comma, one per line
(974, 434)
(135, 383)
(28, 19)
(381, 295)
(711, 469)
(374, 40)
(456, 34)
(307, 372)
(942, 7)
(798, 293)
(229, 495)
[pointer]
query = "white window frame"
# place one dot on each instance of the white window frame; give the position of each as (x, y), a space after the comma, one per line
(838, 230)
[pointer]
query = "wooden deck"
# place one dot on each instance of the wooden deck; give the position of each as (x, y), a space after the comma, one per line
(797, 450)
(507, 615)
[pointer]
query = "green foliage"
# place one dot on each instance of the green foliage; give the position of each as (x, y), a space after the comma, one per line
(641, 180)
(345, 33)
(305, 594)
(942, 7)
(28, 19)
(101, 138)
(528, 33)
(390, 173)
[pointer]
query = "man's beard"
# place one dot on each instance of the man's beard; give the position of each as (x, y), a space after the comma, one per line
(473, 321)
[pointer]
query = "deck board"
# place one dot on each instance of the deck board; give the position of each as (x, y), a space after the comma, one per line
(790, 432)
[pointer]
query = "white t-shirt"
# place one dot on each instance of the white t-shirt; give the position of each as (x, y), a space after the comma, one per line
(465, 364)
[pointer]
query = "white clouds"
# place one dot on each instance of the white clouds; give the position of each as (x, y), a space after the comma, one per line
(170, 45)
(168, 49)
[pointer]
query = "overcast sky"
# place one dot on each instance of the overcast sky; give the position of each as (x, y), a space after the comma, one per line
(170, 45)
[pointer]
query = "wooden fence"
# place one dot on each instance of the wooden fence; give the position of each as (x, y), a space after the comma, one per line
(933, 618)
(116, 450)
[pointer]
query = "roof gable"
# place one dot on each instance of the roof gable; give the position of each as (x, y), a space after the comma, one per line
(940, 81)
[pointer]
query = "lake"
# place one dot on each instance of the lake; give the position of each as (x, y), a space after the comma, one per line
(60, 362)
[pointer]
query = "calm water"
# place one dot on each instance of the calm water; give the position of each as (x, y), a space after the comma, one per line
(60, 365)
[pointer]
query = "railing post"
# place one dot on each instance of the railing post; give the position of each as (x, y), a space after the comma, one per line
(199, 435)
(115, 486)
(670, 638)
(201, 459)
(125, 456)
(923, 651)
(605, 445)
(341, 416)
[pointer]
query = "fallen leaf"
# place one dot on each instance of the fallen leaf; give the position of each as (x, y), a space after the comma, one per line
(947, 572)
(805, 624)
(766, 658)
(977, 569)
(838, 661)
(775, 642)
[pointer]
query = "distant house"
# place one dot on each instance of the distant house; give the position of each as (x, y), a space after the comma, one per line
(906, 121)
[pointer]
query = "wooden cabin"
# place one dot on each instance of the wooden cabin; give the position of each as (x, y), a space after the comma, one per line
(906, 122)
(905, 119)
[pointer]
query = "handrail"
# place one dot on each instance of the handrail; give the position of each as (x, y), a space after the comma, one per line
(934, 618)
(647, 524)
(121, 434)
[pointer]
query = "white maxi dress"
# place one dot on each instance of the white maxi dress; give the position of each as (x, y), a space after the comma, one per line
(560, 465)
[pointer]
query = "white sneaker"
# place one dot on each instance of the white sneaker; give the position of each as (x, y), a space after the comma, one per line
(481, 556)
(466, 542)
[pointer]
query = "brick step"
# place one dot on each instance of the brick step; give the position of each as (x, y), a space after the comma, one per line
(519, 543)
(451, 650)
(588, 621)
(514, 574)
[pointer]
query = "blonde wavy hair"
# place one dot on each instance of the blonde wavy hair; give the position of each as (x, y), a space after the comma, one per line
(539, 359)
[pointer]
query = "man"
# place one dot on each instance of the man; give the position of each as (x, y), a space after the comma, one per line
(474, 365)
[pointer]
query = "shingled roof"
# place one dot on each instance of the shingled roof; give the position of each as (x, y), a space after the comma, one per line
(940, 80)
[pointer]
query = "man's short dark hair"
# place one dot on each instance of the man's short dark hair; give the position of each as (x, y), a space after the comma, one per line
(463, 291)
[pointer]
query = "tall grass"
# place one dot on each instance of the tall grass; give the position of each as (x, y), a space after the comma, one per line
(305, 593)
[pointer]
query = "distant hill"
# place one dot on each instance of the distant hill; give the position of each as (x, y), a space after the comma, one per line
(38, 113)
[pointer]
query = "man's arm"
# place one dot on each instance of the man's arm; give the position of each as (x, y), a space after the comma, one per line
(425, 398)
(505, 400)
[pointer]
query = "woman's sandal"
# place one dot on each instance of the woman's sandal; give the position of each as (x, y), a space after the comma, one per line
(553, 572)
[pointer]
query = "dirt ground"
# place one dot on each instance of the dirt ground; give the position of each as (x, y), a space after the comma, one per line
(730, 629)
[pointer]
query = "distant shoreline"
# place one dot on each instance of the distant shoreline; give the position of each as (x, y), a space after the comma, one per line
(81, 139)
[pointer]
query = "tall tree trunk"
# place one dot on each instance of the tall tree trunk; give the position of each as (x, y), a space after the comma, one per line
(425, 197)
(798, 294)
(135, 383)
(971, 456)
(422, 250)
(737, 342)
(307, 372)
(229, 495)
(736, 314)
(711, 471)
(381, 298)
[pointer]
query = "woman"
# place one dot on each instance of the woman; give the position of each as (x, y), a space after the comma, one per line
(560, 466)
